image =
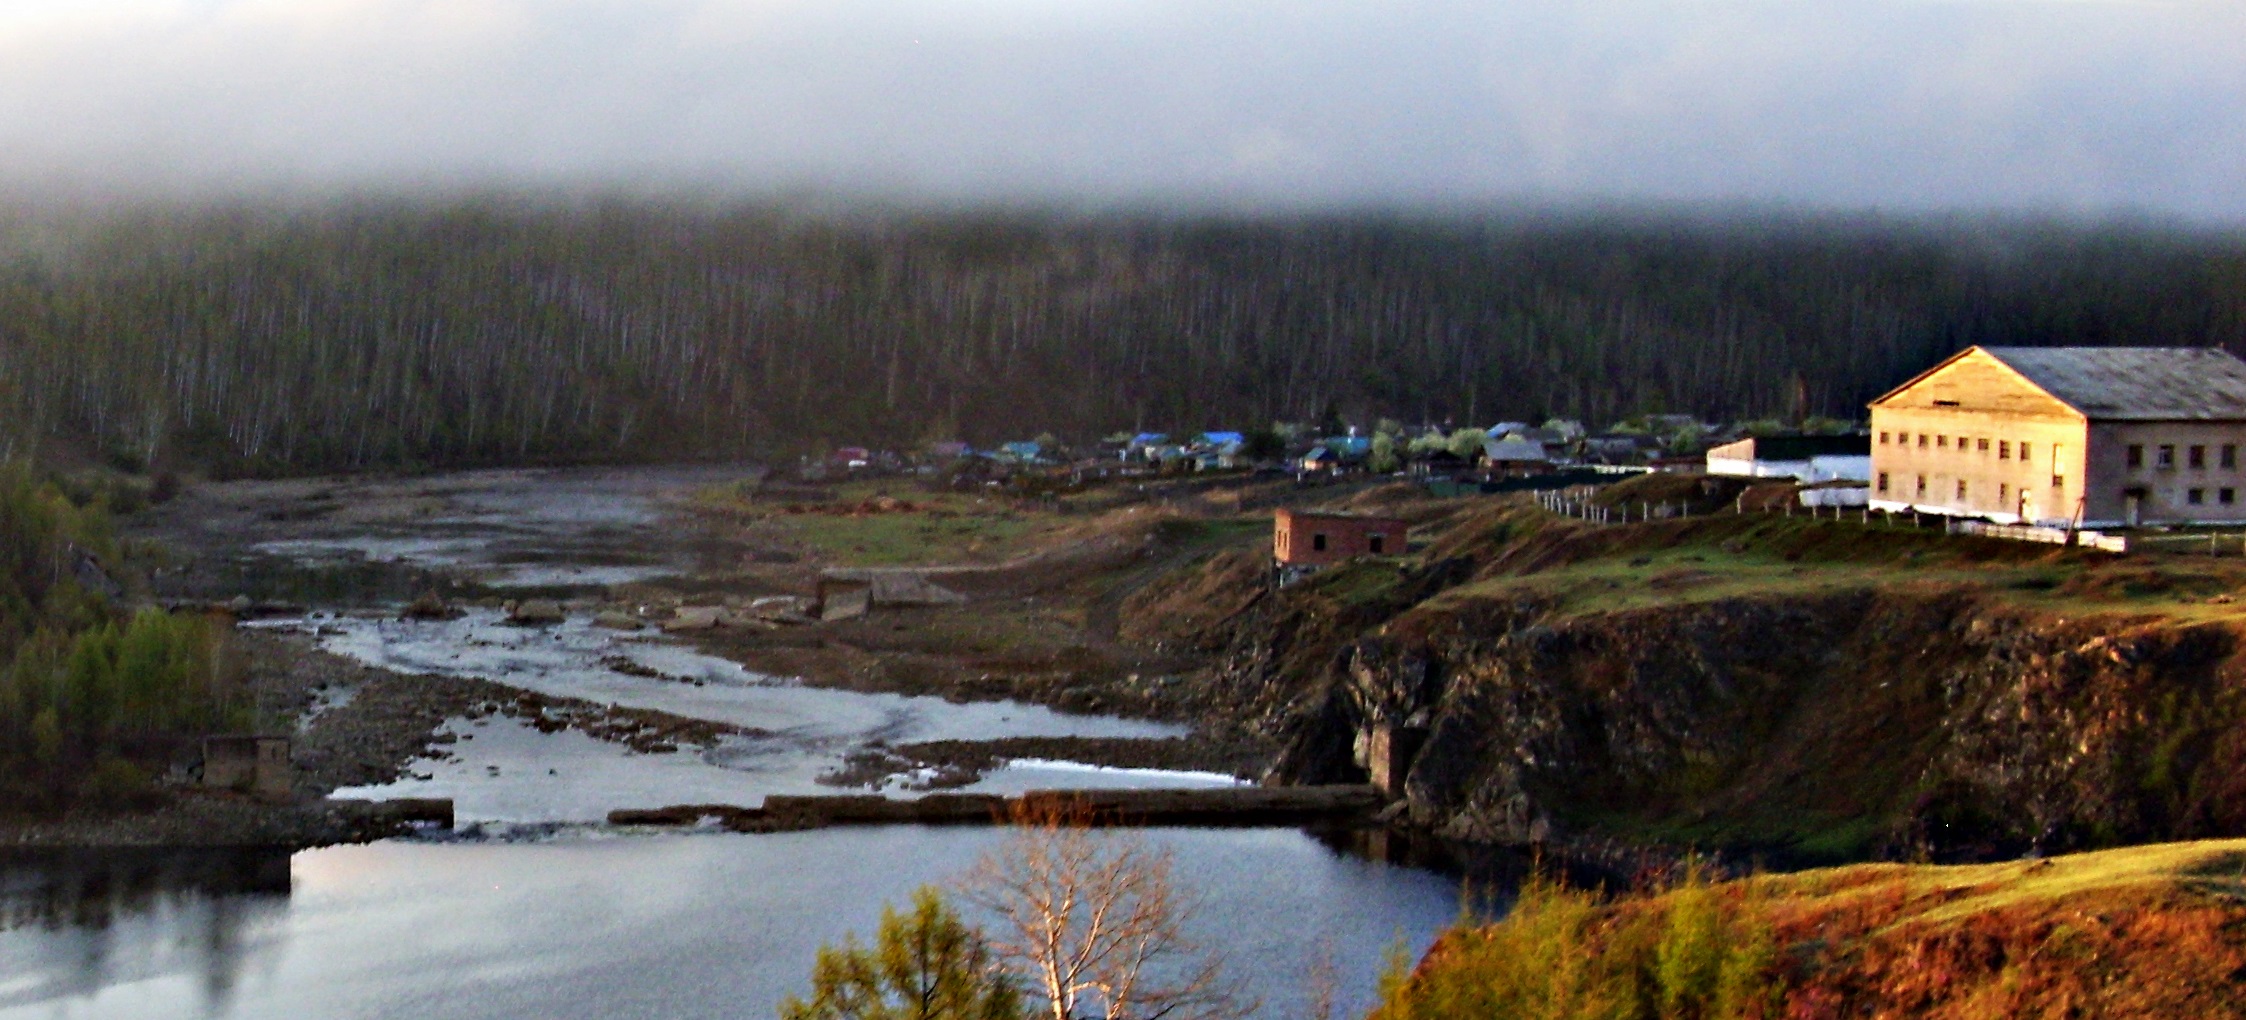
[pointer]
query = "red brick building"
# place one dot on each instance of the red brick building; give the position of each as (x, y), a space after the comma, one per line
(1302, 538)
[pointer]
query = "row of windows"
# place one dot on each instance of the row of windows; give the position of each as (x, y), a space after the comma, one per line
(1977, 444)
(2164, 456)
(2195, 497)
(2003, 489)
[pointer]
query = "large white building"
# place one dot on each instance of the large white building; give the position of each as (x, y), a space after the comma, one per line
(2080, 436)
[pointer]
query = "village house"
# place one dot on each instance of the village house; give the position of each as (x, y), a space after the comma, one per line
(1336, 454)
(2067, 436)
(1302, 538)
(1515, 455)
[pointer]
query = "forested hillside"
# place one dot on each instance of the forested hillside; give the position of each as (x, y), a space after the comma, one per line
(482, 331)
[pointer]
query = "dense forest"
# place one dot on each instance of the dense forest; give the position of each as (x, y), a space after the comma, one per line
(488, 330)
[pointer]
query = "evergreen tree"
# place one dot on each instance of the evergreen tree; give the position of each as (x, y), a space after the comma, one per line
(926, 965)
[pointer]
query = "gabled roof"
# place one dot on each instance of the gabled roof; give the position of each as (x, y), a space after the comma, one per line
(1514, 449)
(2125, 383)
(2136, 383)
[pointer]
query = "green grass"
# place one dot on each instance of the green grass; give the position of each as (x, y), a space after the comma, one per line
(1361, 582)
(1581, 571)
(912, 539)
(943, 527)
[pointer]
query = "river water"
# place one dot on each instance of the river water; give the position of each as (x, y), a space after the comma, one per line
(535, 908)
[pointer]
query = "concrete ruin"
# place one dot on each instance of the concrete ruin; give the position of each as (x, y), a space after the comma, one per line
(842, 598)
(255, 764)
(1385, 751)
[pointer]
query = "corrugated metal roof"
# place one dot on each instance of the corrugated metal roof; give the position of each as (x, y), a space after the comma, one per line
(2137, 383)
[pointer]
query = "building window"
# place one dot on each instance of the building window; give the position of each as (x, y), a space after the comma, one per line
(2058, 481)
(2230, 456)
(2004, 492)
(1941, 442)
(1922, 486)
(1883, 439)
(1922, 440)
(1981, 446)
(2226, 496)
(2136, 456)
(2023, 451)
(2165, 458)
(2195, 496)
(1318, 541)
(2196, 457)
(1883, 481)
(1961, 490)
(1373, 543)
(2004, 449)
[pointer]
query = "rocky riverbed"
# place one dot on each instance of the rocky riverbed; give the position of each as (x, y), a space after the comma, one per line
(464, 635)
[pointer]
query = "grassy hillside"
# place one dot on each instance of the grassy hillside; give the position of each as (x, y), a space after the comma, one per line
(2139, 932)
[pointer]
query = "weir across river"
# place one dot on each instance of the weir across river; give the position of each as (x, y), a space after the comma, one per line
(1222, 806)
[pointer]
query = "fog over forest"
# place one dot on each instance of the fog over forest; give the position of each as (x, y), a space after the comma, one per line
(297, 234)
(479, 331)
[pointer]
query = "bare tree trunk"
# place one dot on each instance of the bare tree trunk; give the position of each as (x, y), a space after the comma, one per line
(1092, 920)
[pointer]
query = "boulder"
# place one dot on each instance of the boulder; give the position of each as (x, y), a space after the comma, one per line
(430, 606)
(533, 612)
(614, 620)
(693, 618)
(791, 609)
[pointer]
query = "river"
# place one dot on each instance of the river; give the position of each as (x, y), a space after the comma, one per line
(534, 908)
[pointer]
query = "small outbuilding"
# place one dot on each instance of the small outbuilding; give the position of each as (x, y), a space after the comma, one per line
(1302, 538)
(1803, 458)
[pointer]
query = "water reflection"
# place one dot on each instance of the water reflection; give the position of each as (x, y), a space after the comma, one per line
(593, 924)
(74, 923)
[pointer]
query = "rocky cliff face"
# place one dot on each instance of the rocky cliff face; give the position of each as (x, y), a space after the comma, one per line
(1929, 720)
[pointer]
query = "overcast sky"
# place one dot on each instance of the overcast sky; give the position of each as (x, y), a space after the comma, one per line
(2071, 106)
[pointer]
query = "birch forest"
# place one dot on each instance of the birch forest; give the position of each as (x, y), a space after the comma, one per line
(475, 331)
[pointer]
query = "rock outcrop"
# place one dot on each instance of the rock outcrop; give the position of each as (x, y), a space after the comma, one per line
(1935, 718)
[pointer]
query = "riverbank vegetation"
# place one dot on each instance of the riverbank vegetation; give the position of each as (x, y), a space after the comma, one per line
(2146, 931)
(94, 700)
(503, 331)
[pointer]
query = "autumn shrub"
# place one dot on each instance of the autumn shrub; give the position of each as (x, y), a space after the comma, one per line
(1701, 952)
